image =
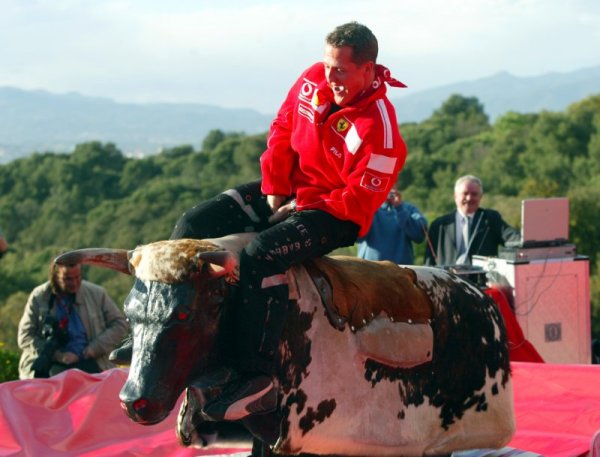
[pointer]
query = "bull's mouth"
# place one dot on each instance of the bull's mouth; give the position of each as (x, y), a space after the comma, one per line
(142, 421)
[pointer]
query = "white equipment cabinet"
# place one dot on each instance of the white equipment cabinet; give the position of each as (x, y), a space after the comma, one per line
(552, 303)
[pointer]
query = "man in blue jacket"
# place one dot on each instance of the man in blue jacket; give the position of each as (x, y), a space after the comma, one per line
(396, 225)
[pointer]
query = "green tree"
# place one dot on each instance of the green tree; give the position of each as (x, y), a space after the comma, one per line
(10, 315)
(458, 117)
(212, 140)
(51, 202)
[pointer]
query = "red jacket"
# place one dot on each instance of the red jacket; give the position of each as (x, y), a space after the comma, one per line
(343, 163)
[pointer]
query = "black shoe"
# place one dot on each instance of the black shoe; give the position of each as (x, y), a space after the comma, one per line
(194, 428)
(242, 397)
(190, 420)
(122, 355)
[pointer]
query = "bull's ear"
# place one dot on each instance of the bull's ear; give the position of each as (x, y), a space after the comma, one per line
(115, 259)
(221, 263)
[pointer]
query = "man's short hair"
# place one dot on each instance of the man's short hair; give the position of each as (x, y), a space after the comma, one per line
(358, 37)
(468, 178)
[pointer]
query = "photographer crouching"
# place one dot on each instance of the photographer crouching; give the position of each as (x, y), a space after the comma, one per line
(68, 323)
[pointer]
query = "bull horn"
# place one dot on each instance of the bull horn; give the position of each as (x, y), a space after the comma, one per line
(221, 263)
(115, 259)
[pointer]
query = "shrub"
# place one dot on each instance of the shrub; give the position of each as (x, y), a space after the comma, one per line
(9, 365)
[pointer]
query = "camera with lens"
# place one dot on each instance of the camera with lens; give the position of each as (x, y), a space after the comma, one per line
(54, 337)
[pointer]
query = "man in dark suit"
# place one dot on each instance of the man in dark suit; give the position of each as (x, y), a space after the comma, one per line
(469, 230)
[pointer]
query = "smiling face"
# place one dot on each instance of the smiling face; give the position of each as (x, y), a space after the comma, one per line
(347, 79)
(467, 196)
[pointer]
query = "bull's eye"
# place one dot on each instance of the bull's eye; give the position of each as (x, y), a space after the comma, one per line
(181, 314)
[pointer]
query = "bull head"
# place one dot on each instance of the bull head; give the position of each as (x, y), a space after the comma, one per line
(174, 309)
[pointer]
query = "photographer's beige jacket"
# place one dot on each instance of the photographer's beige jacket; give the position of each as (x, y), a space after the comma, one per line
(104, 322)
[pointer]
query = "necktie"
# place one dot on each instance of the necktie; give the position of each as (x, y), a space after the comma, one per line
(463, 241)
(465, 232)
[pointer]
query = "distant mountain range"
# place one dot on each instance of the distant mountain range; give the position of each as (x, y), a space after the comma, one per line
(504, 92)
(42, 121)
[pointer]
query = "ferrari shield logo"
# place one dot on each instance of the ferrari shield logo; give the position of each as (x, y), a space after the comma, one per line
(342, 125)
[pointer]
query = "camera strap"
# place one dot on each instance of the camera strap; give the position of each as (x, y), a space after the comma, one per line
(65, 307)
(48, 309)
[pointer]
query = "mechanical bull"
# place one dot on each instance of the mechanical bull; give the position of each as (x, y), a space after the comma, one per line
(375, 359)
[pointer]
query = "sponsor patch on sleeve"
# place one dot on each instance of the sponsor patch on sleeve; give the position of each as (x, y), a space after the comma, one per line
(353, 141)
(381, 163)
(373, 182)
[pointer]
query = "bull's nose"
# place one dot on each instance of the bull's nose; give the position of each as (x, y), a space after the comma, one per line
(143, 407)
(140, 411)
(137, 407)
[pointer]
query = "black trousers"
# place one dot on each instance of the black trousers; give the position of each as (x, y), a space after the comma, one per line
(263, 292)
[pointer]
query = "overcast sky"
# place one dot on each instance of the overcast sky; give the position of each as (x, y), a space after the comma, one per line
(246, 53)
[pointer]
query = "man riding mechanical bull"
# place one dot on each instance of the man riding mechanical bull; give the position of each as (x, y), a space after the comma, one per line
(242, 309)
(333, 153)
